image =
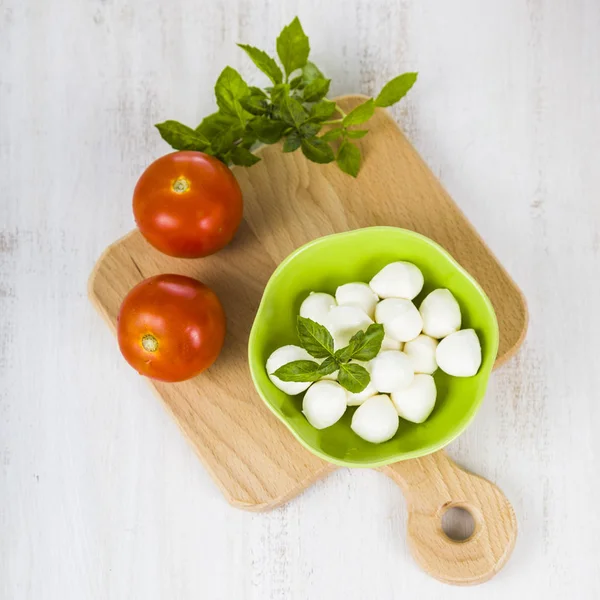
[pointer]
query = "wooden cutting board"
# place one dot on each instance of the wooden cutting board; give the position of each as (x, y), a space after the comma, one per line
(250, 454)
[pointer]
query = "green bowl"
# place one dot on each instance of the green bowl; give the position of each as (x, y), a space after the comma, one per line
(324, 264)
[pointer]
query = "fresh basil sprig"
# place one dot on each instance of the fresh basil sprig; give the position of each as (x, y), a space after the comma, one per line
(293, 109)
(317, 341)
(314, 338)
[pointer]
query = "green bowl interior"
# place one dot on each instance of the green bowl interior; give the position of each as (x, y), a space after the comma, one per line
(323, 265)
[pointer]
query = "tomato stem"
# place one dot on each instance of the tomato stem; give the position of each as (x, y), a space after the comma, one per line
(149, 343)
(181, 185)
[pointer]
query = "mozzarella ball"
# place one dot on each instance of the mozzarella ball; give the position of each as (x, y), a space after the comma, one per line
(459, 354)
(398, 280)
(344, 321)
(316, 307)
(400, 319)
(376, 420)
(441, 314)
(283, 356)
(421, 352)
(359, 295)
(389, 343)
(391, 371)
(416, 402)
(324, 403)
(358, 398)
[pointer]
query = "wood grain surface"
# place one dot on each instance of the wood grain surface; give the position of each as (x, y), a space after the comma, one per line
(101, 497)
(434, 484)
(253, 458)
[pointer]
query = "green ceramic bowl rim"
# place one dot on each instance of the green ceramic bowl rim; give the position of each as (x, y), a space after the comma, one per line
(430, 449)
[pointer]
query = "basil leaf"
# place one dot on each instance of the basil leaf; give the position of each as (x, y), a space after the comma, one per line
(214, 125)
(316, 89)
(317, 150)
(310, 72)
(356, 134)
(255, 105)
(182, 137)
(264, 62)
(332, 134)
(279, 92)
(314, 338)
(321, 111)
(243, 157)
(248, 139)
(365, 345)
(299, 370)
(353, 377)
(293, 47)
(292, 111)
(297, 83)
(396, 89)
(343, 355)
(363, 112)
(348, 158)
(225, 142)
(268, 131)
(292, 142)
(328, 366)
(309, 129)
(256, 91)
(229, 90)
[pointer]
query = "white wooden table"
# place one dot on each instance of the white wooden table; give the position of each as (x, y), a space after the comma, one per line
(100, 495)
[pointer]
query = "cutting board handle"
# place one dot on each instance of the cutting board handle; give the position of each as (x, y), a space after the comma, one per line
(431, 486)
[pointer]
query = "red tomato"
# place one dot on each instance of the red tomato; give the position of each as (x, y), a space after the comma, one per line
(171, 327)
(188, 204)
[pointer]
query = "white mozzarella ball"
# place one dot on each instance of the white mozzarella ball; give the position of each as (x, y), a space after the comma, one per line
(441, 314)
(317, 306)
(283, 356)
(324, 403)
(459, 354)
(390, 371)
(344, 321)
(398, 280)
(358, 398)
(416, 402)
(400, 319)
(389, 343)
(376, 420)
(421, 352)
(359, 295)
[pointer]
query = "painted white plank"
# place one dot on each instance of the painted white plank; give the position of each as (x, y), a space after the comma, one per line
(100, 497)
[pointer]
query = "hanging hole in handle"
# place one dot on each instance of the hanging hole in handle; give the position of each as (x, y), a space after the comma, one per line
(458, 523)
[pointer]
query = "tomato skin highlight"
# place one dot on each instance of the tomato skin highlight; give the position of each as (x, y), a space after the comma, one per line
(188, 204)
(171, 327)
